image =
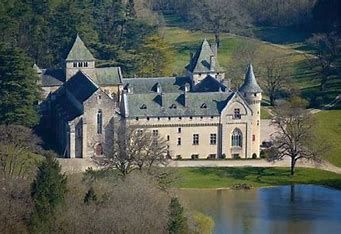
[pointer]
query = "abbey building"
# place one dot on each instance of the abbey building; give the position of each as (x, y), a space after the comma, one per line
(197, 114)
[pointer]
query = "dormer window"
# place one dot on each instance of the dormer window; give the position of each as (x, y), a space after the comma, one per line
(173, 106)
(143, 107)
(203, 106)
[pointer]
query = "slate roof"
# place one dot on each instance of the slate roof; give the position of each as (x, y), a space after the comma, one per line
(68, 109)
(79, 52)
(200, 63)
(250, 84)
(148, 85)
(172, 104)
(108, 76)
(52, 77)
(209, 84)
(81, 86)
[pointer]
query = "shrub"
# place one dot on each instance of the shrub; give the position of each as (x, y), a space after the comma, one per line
(254, 156)
(223, 156)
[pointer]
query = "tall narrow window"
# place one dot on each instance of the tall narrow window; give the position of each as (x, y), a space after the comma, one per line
(237, 138)
(74, 64)
(86, 64)
(99, 122)
(213, 139)
(179, 141)
(179, 130)
(195, 139)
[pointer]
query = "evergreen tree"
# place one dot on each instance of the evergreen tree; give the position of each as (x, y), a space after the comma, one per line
(48, 191)
(177, 222)
(19, 92)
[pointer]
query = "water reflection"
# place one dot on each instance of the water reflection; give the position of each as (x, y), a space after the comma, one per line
(284, 209)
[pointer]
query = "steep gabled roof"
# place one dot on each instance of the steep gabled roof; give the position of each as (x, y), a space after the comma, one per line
(79, 52)
(201, 59)
(250, 84)
(80, 86)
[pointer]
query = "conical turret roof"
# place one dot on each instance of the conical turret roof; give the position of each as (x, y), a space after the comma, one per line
(79, 52)
(250, 84)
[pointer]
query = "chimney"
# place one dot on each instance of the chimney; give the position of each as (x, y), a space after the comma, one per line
(187, 87)
(214, 49)
(212, 63)
(227, 84)
(158, 88)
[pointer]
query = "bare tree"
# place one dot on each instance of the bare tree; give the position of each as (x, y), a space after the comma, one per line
(275, 76)
(327, 48)
(295, 137)
(242, 55)
(17, 147)
(218, 16)
(135, 148)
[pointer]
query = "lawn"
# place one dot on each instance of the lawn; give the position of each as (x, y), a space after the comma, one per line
(257, 177)
(264, 113)
(329, 128)
(185, 41)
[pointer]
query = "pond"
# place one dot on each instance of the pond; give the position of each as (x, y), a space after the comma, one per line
(283, 209)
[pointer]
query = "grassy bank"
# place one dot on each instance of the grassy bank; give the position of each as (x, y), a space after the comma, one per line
(329, 128)
(257, 177)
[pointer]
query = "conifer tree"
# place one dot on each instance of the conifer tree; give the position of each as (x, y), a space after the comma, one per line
(48, 191)
(177, 222)
(19, 91)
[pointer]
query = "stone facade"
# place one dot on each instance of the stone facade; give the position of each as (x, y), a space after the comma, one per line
(198, 114)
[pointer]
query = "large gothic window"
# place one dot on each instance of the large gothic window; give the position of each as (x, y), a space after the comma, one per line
(237, 138)
(99, 122)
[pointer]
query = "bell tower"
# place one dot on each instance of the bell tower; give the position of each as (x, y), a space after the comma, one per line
(79, 58)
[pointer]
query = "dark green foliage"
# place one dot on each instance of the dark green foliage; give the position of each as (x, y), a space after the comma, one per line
(90, 196)
(177, 222)
(19, 91)
(46, 30)
(48, 191)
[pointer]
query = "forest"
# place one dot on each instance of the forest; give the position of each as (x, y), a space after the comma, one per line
(37, 197)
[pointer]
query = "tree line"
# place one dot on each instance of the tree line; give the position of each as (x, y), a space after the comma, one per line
(118, 32)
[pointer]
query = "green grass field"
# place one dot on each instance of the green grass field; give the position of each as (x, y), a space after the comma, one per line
(329, 128)
(257, 177)
(288, 41)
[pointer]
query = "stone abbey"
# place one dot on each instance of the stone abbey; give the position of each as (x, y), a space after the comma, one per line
(197, 114)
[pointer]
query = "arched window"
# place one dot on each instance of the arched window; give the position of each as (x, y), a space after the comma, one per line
(99, 122)
(237, 138)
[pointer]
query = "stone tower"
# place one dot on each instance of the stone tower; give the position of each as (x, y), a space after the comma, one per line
(253, 95)
(79, 58)
(203, 63)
